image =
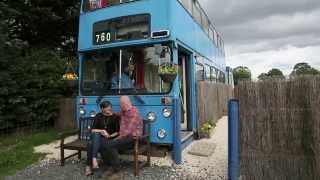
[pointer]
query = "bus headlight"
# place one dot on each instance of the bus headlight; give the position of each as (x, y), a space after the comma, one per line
(82, 111)
(166, 112)
(152, 116)
(93, 114)
(162, 134)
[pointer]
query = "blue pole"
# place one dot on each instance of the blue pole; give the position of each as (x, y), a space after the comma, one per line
(80, 60)
(233, 140)
(177, 152)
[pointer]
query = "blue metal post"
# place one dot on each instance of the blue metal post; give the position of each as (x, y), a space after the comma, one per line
(177, 151)
(80, 60)
(233, 138)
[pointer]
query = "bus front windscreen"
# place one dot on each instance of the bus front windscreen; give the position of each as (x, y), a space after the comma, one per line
(130, 70)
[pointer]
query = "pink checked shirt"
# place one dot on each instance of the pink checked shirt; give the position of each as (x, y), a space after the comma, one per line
(131, 123)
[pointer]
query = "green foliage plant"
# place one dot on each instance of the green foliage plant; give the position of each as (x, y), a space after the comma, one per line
(30, 86)
(273, 73)
(169, 69)
(241, 73)
(17, 152)
(31, 34)
(206, 128)
(304, 68)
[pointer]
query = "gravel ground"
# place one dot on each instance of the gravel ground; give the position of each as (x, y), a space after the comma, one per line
(193, 167)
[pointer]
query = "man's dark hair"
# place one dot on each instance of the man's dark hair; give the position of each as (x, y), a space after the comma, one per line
(105, 104)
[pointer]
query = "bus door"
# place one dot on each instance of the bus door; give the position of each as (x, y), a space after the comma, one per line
(183, 90)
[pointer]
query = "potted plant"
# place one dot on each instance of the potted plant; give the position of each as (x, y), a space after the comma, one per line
(168, 72)
(206, 130)
(71, 78)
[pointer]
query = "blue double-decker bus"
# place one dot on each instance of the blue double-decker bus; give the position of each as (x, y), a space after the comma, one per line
(123, 43)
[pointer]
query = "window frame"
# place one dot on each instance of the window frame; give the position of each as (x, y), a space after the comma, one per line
(115, 19)
(196, 8)
(85, 4)
(213, 70)
(203, 21)
(206, 68)
(211, 36)
(198, 65)
(221, 77)
(169, 44)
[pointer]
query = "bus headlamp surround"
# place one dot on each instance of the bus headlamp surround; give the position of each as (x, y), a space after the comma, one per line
(166, 112)
(82, 111)
(93, 114)
(162, 134)
(151, 116)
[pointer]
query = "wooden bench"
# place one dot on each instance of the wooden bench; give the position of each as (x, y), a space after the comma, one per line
(141, 145)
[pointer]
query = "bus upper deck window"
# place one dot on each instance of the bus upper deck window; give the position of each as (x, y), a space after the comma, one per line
(104, 3)
(94, 4)
(90, 5)
(97, 4)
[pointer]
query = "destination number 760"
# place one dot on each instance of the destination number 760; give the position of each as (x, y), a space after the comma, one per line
(103, 37)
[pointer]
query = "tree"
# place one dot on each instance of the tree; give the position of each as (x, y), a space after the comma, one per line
(241, 73)
(273, 73)
(304, 68)
(263, 76)
(31, 31)
(42, 23)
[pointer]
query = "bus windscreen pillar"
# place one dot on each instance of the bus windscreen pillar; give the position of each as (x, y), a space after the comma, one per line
(233, 140)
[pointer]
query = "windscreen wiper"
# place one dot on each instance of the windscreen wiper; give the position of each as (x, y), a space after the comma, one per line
(99, 99)
(139, 99)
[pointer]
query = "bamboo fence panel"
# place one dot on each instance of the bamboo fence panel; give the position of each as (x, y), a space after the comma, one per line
(212, 101)
(280, 129)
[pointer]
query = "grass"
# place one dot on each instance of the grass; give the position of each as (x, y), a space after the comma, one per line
(16, 152)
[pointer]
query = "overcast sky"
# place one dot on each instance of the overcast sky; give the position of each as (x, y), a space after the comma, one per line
(265, 34)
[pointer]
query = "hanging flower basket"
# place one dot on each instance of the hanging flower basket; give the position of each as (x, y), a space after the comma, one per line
(71, 79)
(168, 72)
(70, 76)
(168, 78)
(71, 83)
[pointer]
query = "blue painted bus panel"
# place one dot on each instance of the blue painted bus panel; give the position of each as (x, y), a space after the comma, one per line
(177, 148)
(152, 100)
(165, 15)
(152, 105)
(157, 9)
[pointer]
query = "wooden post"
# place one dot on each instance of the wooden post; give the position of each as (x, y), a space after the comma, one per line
(66, 119)
(136, 159)
(62, 153)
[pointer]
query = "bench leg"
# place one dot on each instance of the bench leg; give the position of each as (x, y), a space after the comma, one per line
(148, 153)
(79, 154)
(136, 159)
(62, 156)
